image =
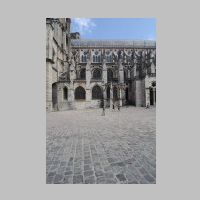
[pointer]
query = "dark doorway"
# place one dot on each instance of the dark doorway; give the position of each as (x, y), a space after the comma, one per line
(54, 95)
(115, 95)
(108, 92)
(97, 92)
(80, 93)
(127, 96)
(151, 96)
(65, 93)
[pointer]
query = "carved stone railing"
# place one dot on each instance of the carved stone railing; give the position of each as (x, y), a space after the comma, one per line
(96, 80)
(113, 44)
(115, 80)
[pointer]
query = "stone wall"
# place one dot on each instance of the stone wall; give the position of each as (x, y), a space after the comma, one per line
(64, 64)
(56, 54)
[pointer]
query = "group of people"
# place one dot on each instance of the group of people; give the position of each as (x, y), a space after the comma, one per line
(115, 105)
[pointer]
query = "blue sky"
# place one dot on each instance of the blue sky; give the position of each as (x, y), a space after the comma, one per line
(115, 28)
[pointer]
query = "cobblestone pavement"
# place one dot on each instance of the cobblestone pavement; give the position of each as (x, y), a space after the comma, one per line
(85, 147)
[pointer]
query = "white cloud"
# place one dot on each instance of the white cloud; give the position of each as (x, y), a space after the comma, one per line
(83, 25)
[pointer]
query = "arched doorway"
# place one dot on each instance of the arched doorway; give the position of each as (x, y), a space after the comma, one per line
(108, 92)
(97, 92)
(80, 93)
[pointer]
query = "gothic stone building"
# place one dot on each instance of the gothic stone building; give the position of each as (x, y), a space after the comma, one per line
(95, 73)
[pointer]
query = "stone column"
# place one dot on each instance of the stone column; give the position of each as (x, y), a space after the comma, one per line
(134, 71)
(88, 78)
(104, 79)
(120, 97)
(147, 95)
(104, 95)
(111, 96)
(71, 87)
(121, 72)
(71, 92)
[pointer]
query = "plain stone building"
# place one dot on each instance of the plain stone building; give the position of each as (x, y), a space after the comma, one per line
(93, 73)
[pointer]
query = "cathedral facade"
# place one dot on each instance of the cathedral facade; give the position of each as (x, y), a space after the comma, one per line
(97, 73)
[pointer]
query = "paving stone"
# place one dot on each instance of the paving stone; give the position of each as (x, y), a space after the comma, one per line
(107, 168)
(87, 167)
(51, 174)
(50, 179)
(109, 174)
(68, 179)
(77, 179)
(68, 172)
(110, 181)
(90, 180)
(121, 177)
(121, 164)
(123, 152)
(88, 173)
(149, 178)
(87, 162)
(58, 179)
(101, 180)
(99, 173)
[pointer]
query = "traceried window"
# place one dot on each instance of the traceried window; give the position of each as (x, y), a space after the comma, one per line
(84, 58)
(96, 59)
(109, 59)
(79, 93)
(99, 58)
(82, 74)
(110, 75)
(65, 93)
(97, 74)
(97, 92)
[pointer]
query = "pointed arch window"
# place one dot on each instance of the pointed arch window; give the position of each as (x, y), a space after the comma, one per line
(82, 74)
(97, 74)
(84, 58)
(109, 75)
